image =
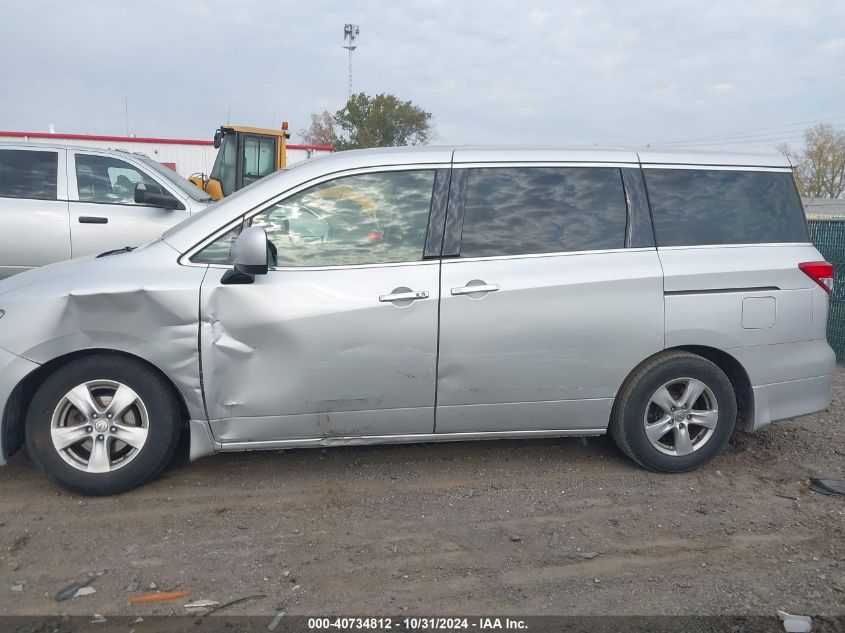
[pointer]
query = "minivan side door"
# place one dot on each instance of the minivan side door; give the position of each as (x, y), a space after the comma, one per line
(33, 208)
(549, 298)
(103, 212)
(339, 338)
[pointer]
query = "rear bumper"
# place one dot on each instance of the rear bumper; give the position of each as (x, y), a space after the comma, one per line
(785, 362)
(13, 369)
(790, 399)
(788, 380)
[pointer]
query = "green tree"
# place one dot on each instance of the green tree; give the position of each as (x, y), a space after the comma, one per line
(381, 121)
(820, 164)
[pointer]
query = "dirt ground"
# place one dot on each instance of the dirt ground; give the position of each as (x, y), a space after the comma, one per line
(506, 527)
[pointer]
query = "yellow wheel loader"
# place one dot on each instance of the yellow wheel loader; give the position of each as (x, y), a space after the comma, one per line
(244, 154)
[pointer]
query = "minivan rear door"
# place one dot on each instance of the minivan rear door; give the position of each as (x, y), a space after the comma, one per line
(33, 208)
(550, 297)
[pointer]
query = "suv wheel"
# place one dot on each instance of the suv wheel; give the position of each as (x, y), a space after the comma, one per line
(675, 413)
(102, 425)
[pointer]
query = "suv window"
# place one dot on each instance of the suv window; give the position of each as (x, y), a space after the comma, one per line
(28, 174)
(364, 219)
(711, 206)
(527, 210)
(110, 180)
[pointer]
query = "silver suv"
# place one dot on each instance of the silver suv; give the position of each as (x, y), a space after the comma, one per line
(424, 295)
(58, 202)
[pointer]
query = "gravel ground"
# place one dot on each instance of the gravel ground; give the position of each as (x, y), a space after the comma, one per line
(531, 527)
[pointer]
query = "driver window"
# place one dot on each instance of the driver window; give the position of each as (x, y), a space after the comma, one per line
(110, 180)
(373, 218)
(365, 219)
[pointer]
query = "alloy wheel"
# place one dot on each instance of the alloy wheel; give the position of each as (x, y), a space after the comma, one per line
(681, 416)
(99, 426)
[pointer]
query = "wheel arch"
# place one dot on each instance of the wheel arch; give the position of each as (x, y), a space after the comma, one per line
(739, 380)
(732, 368)
(19, 401)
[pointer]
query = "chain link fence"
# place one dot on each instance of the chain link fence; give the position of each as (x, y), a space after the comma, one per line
(828, 235)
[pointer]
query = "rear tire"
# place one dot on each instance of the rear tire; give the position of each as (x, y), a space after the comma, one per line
(103, 424)
(674, 413)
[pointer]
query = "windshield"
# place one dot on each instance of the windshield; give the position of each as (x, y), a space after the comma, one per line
(182, 183)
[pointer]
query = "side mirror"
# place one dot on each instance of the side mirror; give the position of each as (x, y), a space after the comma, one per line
(250, 257)
(218, 138)
(143, 195)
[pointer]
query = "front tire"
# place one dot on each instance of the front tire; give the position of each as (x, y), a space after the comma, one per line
(675, 413)
(103, 424)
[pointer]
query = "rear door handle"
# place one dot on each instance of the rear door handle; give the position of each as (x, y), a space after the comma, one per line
(469, 290)
(403, 296)
(93, 219)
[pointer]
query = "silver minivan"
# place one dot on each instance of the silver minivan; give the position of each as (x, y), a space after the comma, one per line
(60, 201)
(431, 294)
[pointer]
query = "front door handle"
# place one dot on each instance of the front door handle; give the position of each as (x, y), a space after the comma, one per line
(474, 287)
(93, 219)
(409, 295)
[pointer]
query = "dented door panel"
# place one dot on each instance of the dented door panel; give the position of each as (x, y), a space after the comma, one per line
(315, 353)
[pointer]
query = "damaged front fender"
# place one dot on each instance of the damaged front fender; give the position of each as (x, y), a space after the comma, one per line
(140, 303)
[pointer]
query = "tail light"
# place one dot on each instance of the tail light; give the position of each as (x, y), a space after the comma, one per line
(820, 272)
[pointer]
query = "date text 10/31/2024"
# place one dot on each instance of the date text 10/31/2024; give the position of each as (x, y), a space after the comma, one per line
(417, 624)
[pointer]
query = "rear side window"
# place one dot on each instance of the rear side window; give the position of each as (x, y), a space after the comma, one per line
(709, 206)
(527, 210)
(26, 174)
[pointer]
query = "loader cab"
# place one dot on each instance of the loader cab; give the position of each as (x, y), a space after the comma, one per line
(245, 155)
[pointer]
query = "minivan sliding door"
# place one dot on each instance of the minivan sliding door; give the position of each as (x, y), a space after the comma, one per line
(544, 310)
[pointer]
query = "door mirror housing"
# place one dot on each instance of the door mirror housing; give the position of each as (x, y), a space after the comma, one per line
(250, 256)
(144, 195)
(250, 253)
(218, 138)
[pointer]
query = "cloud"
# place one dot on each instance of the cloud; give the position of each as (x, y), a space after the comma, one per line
(543, 72)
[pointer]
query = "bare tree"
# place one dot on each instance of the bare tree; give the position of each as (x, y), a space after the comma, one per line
(322, 130)
(820, 165)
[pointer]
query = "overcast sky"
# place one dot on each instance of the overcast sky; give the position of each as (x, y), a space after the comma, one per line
(748, 74)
